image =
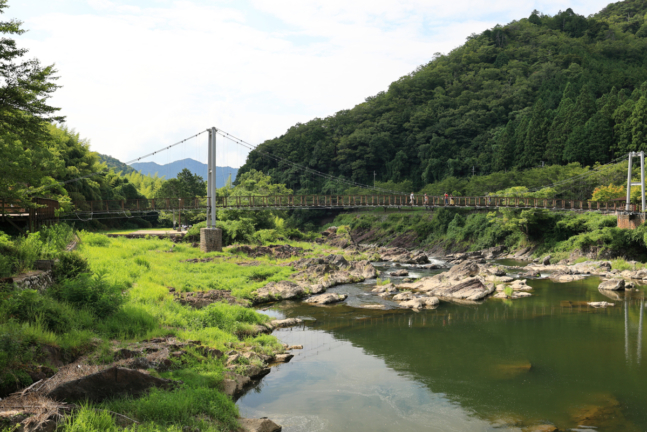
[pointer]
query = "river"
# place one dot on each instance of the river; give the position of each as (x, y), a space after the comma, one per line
(502, 365)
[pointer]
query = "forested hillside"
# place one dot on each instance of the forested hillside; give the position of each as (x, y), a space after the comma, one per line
(543, 89)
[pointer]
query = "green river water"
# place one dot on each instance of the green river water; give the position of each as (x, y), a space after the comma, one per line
(501, 365)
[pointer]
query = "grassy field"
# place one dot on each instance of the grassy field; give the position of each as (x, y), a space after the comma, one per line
(122, 296)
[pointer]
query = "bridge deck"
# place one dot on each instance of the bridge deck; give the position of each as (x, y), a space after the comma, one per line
(342, 201)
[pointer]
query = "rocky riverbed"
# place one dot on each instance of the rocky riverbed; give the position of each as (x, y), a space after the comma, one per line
(388, 278)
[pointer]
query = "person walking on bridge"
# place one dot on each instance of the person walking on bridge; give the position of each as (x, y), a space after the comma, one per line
(446, 198)
(426, 201)
(412, 199)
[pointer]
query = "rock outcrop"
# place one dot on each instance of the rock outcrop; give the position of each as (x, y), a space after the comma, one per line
(316, 275)
(283, 290)
(466, 281)
(400, 255)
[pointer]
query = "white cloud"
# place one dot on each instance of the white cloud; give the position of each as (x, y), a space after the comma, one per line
(138, 78)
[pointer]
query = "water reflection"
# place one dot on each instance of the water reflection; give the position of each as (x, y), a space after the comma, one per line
(502, 364)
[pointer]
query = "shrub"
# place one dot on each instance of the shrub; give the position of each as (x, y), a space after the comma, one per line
(70, 265)
(88, 419)
(226, 317)
(27, 251)
(93, 239)
(55, 238)
(6, 266)
(31, 306)
(93, 292)
(508, 291)
(130, 321)
(266, 236)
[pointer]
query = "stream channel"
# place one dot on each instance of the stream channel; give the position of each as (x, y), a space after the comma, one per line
(503, 365)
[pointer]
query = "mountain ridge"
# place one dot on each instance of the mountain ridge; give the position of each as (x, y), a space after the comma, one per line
(172, 169)
(539, 90)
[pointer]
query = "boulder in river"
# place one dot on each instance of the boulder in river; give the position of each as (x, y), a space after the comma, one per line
(612, 284)
(566, 277)
(327, 298)
(288, 322)
(601, 304)
(420, 303)
(465, 281)
(402, 272)
(386, 288)
(403, 296)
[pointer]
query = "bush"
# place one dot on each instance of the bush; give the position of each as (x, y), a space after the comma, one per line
(93, 239)
(31, 306)
(69, 266)
(226, 317)
(130, 321)
(55, 238)
(27, 251)
(92, 292)
(88, 419)
(6, 266)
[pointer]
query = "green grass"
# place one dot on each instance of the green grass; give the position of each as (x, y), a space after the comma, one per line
(127, 299)
(148, 264)
(622, 265)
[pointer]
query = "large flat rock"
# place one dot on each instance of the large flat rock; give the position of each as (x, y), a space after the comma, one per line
(283, 290)
(108, 383)
(259, 425)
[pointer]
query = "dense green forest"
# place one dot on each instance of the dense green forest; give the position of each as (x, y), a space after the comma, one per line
(541, 90)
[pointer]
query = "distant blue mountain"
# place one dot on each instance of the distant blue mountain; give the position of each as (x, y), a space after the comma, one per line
(171, 170)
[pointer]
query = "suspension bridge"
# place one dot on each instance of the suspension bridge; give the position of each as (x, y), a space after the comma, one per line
(47, 210)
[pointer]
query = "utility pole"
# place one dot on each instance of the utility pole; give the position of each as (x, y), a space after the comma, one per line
(373, 179)
(472, 170)
(542, 164)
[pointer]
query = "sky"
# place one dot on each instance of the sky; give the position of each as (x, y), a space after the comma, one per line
(137, 76)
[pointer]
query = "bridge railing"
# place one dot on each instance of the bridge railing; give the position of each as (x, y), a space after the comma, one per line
(332, 201)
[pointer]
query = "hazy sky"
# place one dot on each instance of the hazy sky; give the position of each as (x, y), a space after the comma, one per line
(139, 75)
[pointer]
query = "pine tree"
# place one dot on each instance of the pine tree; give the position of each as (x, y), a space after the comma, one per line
(519, 142)
(505, 147)
(537, 136)
(599, 131)
(576, 146)
(559, 132)
(622, 128)
(638, 125)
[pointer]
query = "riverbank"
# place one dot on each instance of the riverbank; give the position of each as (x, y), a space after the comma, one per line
(186, 330)
(445, 231)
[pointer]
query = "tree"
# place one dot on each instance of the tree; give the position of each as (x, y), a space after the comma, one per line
(185, 185)
(638, 125)
(25, 88)
(538, 129)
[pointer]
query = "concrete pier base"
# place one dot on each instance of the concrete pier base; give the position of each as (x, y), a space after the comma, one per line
(210, 240)
(631, 221)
